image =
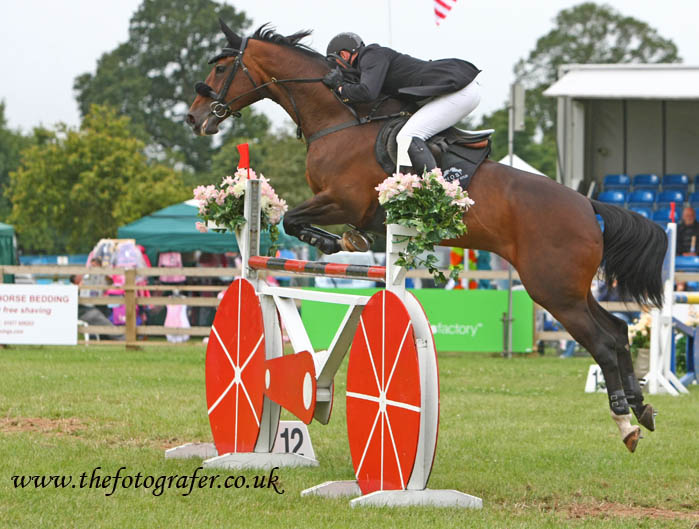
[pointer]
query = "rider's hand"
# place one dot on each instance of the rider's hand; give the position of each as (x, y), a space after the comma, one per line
(333, 79)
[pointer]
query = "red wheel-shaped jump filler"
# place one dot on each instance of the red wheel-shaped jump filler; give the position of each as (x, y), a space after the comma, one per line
(235, 358)
(383, 396)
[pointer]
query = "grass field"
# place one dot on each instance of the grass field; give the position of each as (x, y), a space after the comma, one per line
(521, 434)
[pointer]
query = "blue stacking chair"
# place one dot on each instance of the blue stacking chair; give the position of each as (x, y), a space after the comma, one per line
(676, 181)
(645, 212)
(619, 182)
(671, 195)
(663, 215)
(612, 197)
(600, 221)
(646, 181)
(694, 199)
(641, 198)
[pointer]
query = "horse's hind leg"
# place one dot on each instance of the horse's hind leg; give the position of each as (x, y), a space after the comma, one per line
(579, 322)
(645, 414)
(564, 293)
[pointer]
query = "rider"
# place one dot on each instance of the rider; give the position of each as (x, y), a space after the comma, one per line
(444, 89)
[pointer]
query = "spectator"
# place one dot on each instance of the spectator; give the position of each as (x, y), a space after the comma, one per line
(91, 314)
(611, 293)
(687, 233)
(89, 280)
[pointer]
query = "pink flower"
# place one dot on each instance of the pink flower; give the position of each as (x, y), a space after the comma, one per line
(273, 207)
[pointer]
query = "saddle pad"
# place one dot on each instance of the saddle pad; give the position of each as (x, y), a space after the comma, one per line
(457, 162)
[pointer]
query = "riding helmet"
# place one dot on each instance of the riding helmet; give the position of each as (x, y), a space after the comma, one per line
(344, 41)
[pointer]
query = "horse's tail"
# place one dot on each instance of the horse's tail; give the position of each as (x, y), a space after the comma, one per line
(634, 250)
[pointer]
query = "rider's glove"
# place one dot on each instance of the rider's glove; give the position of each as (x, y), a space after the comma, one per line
(333, 79)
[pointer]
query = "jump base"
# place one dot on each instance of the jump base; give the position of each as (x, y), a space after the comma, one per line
(334, 489)
(426, 497)
(263, 461)
(394, 498)
(188, 450)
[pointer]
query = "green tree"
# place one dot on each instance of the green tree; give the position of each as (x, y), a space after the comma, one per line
(11, 143)
(586, 34)
(74, 187)
(150, 78)
(540, 154)
(280, 157)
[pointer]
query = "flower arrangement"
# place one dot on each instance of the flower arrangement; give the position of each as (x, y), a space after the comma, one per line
(639, 333)
(222, 205)
(431, 205)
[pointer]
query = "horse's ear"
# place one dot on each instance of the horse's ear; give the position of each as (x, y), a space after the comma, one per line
(234, 40)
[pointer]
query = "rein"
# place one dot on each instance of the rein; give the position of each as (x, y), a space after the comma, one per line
(369, 118)
(221, 108)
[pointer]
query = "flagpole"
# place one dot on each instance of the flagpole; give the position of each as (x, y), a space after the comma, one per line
(390, 25)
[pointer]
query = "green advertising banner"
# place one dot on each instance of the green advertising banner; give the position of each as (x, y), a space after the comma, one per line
(462, 320)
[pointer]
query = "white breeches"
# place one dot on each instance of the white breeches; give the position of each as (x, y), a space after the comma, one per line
(442, 112)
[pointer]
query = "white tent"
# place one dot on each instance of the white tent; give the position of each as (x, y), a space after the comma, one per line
(626, 118)
(518, 163)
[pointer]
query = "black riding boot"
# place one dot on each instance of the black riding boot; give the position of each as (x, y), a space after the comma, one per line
(420, 156)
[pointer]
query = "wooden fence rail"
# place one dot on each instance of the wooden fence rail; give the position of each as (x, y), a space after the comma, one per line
(132, 298)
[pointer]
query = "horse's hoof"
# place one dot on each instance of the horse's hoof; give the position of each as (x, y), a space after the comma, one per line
(354, 241)
(329, 246)
(632, 439)
(647, 418)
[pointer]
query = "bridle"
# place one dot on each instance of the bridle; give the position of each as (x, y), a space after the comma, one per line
(222, 108)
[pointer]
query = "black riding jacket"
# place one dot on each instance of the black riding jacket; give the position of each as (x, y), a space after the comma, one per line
(383, 70)
(684, 237)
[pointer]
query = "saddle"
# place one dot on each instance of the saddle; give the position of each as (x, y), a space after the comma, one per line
(457, 152)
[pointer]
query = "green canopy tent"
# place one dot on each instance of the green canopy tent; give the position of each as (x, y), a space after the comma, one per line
(173, 229)
(8, 248)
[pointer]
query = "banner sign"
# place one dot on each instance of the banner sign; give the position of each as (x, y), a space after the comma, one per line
(462, 320)
(39, 314)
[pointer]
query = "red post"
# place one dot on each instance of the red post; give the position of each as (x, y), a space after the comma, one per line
(672, 212)
(244, 163)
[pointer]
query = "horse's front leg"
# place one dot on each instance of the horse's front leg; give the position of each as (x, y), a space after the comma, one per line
(324, 209)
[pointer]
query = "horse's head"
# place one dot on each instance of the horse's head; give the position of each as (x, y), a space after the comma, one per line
(229, 87)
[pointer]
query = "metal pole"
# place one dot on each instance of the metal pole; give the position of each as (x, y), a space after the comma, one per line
(510, 149)
(511, 126)
(390, 25)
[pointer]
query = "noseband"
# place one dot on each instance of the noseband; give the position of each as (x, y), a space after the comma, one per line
(219, 107)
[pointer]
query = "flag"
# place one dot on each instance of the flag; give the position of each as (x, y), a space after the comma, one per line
(441, 9)
(456, 257)
(244, 162)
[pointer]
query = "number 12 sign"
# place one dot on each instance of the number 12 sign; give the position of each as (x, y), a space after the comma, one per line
(293, 437)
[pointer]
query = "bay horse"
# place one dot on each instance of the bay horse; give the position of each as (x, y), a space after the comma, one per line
(547, 231)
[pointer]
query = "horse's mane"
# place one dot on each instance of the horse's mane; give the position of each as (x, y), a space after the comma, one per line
(269, 34)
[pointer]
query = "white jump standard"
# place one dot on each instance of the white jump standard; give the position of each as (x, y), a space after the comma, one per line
(660, 377)
(392, 376)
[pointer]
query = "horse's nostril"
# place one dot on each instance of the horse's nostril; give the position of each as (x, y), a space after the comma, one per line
(190, 119)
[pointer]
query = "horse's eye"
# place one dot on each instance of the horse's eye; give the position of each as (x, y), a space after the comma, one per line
(220, 69)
